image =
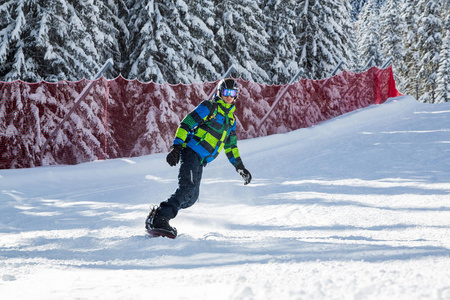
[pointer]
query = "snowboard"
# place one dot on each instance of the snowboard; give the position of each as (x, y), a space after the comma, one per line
(157, 232)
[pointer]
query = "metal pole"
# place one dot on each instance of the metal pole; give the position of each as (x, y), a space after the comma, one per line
(80, 98)
(336, 69)
(300, 72)
(369, 63)
(388, 62)
(280, 95)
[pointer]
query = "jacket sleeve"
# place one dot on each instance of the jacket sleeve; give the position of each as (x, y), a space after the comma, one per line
(191, 121)
(231, 149)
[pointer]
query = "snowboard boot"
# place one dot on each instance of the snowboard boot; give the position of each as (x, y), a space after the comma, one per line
(158, 225)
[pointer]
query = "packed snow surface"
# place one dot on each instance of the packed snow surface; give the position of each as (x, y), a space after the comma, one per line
(354, 208)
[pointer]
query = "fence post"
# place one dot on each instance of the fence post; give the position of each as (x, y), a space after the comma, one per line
(369, 63)
(80, 98)
(336, 69)
(388, 62)
(301, 72)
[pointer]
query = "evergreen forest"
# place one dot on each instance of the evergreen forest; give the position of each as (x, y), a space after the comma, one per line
(266, 41)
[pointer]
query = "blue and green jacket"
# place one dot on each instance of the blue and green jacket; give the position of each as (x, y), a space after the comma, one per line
(208, 129)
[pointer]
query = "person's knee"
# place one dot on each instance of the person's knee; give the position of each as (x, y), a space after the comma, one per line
(191, 198)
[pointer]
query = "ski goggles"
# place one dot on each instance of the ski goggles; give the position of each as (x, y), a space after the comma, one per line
(229, 92)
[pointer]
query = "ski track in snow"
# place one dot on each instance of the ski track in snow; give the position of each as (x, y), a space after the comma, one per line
(354, 208)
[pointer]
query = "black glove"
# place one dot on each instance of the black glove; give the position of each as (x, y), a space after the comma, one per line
(244, 173)
(174, 156)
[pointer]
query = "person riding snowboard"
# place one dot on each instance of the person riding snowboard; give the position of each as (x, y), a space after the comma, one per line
(199, 139)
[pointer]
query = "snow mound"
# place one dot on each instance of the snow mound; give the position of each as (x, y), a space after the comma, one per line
(354, 208)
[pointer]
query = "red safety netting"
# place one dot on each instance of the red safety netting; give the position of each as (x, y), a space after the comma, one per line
(123, 118)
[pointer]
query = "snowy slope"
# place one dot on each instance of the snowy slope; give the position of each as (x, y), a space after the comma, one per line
(355, 208)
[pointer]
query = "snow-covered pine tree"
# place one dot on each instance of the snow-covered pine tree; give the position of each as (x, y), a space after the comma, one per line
(241, 39)
(408, 83)
(142, 63)
(107, 30)
(344, 36)
(443, 88)
(429, 48)
(281, 64)
(174, 38)
(391, 30)
(324, 31)
(199, 49)
(369, 34)
(357, 6)
(18, 51)
(308, 33)
(160, 39)
(60, 39)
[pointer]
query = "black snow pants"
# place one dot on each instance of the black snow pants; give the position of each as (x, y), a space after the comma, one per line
(189, 177)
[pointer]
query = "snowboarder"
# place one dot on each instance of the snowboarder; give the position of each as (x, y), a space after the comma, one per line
(202, 134)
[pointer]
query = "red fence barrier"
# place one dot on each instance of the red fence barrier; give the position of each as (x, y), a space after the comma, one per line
(123, 118)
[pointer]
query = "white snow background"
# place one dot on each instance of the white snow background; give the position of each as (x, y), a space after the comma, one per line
(357, 207)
